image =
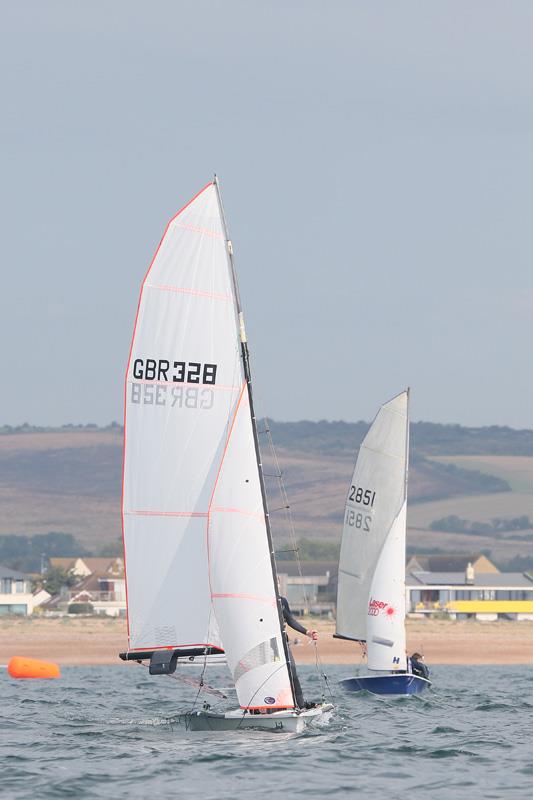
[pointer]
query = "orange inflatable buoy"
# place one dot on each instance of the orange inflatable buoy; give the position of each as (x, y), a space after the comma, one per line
(20, 667)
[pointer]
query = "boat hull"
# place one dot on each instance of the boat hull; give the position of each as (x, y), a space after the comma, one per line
(386, 684)
(239, 719)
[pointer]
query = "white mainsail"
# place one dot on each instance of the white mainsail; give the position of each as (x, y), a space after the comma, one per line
(198, 561)
(371, 594)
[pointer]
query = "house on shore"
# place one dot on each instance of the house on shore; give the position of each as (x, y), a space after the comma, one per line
(101, 584)
(16, 596)
(473, 588)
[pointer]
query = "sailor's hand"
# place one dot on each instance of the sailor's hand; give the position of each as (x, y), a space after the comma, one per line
(312, 635)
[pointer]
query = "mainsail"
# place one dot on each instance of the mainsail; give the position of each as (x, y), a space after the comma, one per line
(371, 593)
(197, 545)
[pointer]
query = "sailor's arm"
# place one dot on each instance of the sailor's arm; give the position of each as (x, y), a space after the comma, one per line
(293, 623)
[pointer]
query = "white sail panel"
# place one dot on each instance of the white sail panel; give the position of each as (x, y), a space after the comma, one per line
(386, 606)
(241, 576)
(183, 380)
(159, 576)
(375, 497)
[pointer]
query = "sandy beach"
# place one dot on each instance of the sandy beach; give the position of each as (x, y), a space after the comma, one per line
(94, 640)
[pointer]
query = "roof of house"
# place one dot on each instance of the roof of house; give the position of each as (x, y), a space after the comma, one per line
(450, 562)
(63, 563)
(96, 565)
(92, 583)
(100, 565)
(8, 572)
(481, 580)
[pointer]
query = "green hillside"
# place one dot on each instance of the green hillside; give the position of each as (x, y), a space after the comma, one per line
(69, 480)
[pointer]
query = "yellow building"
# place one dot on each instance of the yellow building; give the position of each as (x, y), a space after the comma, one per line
(485, 596)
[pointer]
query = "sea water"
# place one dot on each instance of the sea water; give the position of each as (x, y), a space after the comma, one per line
(104, 732)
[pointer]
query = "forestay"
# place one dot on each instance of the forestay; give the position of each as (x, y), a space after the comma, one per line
(195, 536)
(373, 510)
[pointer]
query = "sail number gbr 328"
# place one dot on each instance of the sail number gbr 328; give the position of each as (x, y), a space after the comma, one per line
(181, 384)
(364, 499)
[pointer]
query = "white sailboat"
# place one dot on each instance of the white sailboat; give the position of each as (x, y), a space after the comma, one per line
(200, 571)
(371, 590)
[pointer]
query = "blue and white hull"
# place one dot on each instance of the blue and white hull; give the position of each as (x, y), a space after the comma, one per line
(394, 683)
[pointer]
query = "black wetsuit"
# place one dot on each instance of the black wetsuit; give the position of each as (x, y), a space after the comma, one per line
(293, 623)
(419, 668)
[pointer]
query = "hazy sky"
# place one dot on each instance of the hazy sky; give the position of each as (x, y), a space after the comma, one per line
(376, 163)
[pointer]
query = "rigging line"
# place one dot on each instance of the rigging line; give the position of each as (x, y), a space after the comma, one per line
(323, 676)
(286, 507)
(268, 677)
(292, 534)
(190, 682)
(201, 686)
(322, 497)
(204, 668)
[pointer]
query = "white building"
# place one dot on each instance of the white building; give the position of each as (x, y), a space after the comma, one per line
(102, 584)
(485, 596)
(16, 595)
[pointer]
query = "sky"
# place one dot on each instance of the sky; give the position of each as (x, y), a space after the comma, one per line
(376, 165)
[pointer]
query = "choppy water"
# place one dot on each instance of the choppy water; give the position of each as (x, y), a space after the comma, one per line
(101, 732)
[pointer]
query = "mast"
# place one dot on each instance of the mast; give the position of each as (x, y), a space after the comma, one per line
(248, 377)
(407, 448)
(407, 442)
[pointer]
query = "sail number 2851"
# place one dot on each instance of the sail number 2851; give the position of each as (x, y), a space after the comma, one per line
(360, 497)
(364, 497)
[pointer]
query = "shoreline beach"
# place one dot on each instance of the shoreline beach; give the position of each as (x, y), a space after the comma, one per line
(96, 641)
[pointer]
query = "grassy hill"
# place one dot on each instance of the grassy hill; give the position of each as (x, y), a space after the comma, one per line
(479, 486)
(69, 480)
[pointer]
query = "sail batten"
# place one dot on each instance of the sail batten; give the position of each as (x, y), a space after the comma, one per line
(189, 291)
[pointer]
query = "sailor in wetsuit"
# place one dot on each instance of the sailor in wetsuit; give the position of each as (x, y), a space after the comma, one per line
(295, 625)
(417, 666)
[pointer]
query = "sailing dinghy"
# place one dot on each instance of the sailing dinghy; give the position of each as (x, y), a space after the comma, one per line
(200, 571)
(371, 589)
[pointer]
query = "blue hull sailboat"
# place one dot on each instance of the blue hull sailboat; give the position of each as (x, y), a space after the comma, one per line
(393, 683)
(371, 593)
